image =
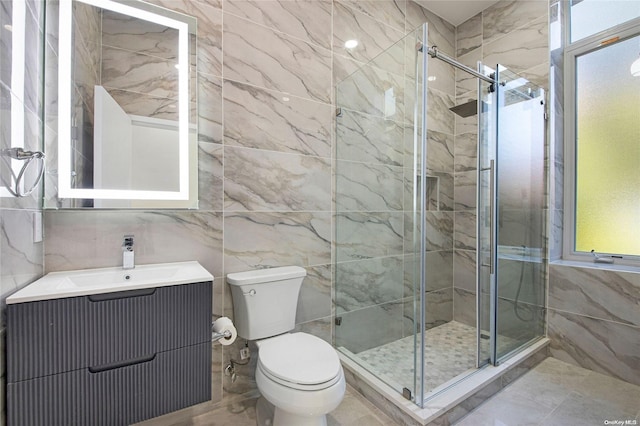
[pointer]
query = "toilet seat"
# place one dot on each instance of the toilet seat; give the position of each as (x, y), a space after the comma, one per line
(299, 361)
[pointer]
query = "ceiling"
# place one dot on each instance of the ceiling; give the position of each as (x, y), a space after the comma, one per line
(456, 11)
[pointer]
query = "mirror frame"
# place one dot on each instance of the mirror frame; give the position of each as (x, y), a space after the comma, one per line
(64, 105)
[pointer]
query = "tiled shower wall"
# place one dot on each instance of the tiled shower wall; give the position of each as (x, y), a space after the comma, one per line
(514, 34)
(21, 259)
(266, 71)
(594, 321)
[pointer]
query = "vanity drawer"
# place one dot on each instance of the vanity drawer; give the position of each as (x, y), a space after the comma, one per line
(111, 395)
(60, 335)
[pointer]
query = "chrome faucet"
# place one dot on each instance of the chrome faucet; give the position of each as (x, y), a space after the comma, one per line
(128, 259)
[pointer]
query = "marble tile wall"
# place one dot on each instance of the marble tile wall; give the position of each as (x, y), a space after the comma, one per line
(514, 34)
(593, 311)
(21, 259)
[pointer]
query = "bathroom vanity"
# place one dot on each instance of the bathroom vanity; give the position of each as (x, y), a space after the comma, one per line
(109, 346)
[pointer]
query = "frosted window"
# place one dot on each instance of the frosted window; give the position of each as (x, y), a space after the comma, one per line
(608, 150)
(592, 16)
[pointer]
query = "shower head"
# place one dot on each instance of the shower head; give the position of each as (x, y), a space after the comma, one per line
(467, 109)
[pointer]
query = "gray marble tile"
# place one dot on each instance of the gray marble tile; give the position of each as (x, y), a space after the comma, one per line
(373, 91)
(555, 237)
(370, 327)
(209, 41)
(538, 75)
(466, 152)
(464, 307)
(465, 82)
(507, 16)
(438, 306)
(364, 235)
(464, 269)
(469, 35)
(439, 270)
(138, 35)
(439, 230)
(441, 32)
(367, 187)
(522, 279)
(577, 409)
(465, 230)
(22, 260)
(268, 181)
(391, 12)
(259, 239)
(441, 75)
(440, 152)
(343, 67)
(597, 293)
(150, 75)
(439, 191)
(79, 239)
(368, 282)
(508, 410)
(598, 345)
(616, 393)
(523, 49)
(276, 121)
(373, 37)
(307, 20)
(440, 118)
(6, 43)
(33, 65)
(465, 190)
(314, 301)
(210, 176)
(257, 55)
(370, 139)
(320, 328)
(148, 106)
(210, 109)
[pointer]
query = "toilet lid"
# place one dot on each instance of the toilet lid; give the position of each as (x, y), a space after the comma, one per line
(299, 358)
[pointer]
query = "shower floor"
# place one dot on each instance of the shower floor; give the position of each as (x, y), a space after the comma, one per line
(449, 352)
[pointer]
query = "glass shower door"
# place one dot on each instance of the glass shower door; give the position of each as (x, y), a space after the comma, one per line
(511, 216)
(521, 260)
(377, 217)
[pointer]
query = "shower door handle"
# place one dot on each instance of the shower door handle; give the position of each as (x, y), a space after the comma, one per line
(492, 216)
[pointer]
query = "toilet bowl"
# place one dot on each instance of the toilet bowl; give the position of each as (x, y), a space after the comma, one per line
(299, 374)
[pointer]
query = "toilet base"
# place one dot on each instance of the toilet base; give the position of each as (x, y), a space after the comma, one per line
(284, 418)
(264, 412)
(268, 415)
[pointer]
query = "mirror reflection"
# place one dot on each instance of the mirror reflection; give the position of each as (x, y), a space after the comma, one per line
(126, 121)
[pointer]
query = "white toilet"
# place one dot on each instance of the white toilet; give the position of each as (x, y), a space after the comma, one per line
(298, 373)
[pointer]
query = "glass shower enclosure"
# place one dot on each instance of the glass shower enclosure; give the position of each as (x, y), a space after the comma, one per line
(439, 211)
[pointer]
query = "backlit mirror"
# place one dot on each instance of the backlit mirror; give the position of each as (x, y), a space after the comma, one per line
(126, 107)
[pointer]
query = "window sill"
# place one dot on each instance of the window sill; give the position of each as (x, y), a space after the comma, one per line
(599, 266)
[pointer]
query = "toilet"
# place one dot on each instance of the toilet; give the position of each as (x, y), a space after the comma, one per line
(298, 374)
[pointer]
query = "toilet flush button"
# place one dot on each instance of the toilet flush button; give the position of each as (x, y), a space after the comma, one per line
(251, 292)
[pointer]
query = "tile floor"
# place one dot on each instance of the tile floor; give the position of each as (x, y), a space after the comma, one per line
(552, 394)
(353, 411)
(555, 393)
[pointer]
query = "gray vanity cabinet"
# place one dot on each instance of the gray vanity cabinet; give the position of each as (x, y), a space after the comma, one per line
(108, 359)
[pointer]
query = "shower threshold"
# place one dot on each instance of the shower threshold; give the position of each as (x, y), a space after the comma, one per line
(449, 401)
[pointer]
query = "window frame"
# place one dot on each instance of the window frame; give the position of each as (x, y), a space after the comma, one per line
(580, 47)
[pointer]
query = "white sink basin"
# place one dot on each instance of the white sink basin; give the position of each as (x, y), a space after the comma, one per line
(56, 285)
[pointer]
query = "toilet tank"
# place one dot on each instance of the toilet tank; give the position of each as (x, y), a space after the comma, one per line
(265, 300)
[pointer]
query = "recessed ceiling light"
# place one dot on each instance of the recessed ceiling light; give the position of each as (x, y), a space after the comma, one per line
(431, 78)
(285, 98)
(350, 44)
(8, 27)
